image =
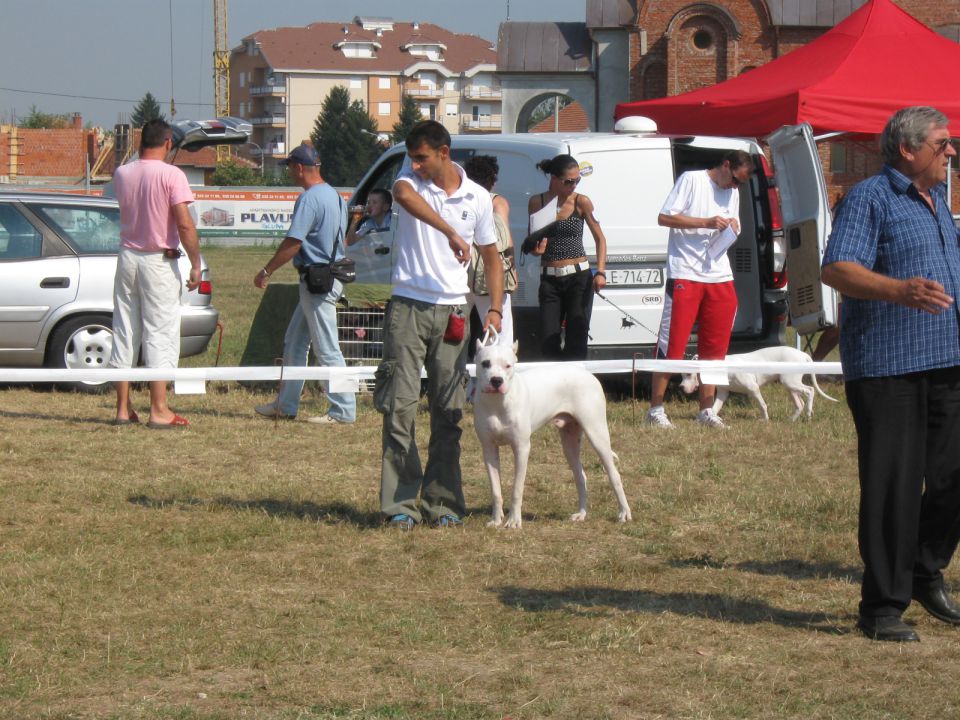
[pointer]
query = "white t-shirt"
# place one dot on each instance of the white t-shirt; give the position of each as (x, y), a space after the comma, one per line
(426, 268)
(696, 195)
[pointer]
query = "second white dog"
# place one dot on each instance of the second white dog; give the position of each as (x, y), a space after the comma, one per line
(750, 383)
(509, 407)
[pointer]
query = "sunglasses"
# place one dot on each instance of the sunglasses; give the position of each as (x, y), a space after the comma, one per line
(570, 182)
(940, 146)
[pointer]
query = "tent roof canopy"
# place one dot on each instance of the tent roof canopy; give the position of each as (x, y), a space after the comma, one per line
(850, 79)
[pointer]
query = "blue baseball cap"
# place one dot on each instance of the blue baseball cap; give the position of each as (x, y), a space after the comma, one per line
(303, 154)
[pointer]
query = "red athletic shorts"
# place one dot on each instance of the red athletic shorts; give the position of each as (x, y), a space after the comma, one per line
(714, 305)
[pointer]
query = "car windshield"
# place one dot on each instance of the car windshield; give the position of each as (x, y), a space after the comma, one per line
(91, 230)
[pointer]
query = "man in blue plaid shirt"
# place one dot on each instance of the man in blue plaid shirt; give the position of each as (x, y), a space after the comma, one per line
(894, 256)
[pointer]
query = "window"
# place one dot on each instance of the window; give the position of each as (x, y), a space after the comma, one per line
(428, 111)
(19, 240)
(703, 39)
(452, 110)
(383, 108)
(356, 83)
(838, 157)
(450, 85)
(384, 83)
(92, 231)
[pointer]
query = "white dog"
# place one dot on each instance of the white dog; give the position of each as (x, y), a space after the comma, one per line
(509, 407)
(750, 383)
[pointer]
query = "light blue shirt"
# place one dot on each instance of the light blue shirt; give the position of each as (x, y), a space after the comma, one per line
(319, 218)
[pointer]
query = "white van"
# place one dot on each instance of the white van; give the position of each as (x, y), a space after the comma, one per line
(628, 175)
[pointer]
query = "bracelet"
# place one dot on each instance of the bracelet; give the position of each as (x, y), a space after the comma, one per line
(601, 272)
(265, 271)
(498, 312)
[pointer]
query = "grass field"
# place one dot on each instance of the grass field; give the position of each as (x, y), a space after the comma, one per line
(238, 569)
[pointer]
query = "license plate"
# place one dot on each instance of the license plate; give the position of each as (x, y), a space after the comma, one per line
(635, 277)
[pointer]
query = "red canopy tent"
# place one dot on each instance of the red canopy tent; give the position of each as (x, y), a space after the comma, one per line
(850, 79)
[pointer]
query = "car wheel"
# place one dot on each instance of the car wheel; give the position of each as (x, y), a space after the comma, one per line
(82, 343)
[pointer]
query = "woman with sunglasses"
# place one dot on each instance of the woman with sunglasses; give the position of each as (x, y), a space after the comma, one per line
(567, 284)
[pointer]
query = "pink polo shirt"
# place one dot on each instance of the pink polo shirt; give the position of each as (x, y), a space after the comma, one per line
(147, 190)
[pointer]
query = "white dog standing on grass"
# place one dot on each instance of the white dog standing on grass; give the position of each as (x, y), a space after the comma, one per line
(750, 383)
(509, 407)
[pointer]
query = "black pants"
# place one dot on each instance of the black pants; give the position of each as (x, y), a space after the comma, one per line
(565, 299)
(908, 433)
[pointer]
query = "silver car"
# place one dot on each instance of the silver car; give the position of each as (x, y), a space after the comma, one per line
(58, 256)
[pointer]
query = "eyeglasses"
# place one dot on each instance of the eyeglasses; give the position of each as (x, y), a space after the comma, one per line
(570, 182)
(940, 146)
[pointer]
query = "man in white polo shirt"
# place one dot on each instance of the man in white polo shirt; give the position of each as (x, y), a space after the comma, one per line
(442, 213)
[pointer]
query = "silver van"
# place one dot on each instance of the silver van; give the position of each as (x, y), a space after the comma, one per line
(628, 175)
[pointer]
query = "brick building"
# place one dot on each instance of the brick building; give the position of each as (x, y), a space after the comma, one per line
(62, 153)
(279, 78)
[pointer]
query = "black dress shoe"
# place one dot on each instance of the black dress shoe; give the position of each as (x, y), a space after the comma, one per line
(937, 601)
(887, 627)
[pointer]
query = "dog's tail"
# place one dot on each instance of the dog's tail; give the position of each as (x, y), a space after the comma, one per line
(616, 458)
(813, 377)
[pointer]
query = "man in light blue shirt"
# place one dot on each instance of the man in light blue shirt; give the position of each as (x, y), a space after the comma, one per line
(316, 235)
(894, 255)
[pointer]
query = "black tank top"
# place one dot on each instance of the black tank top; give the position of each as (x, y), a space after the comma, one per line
(567, 243)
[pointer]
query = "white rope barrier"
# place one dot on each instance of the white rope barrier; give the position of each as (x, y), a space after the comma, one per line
(343, 379)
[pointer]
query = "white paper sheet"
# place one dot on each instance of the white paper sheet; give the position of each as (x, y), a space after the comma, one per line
(721, 242)
(544, 216)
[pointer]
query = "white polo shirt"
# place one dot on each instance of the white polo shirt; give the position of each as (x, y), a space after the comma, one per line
(696, 195)
(425, 267)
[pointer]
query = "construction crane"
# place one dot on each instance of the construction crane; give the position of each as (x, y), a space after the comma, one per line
(221, 70)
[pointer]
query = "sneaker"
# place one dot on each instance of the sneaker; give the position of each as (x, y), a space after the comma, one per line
(270, 410)
(326, 420)
(709, 418)
(401, 522)
(448, 521)
(658, 419)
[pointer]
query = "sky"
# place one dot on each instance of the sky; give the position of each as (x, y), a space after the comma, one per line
(99, 57)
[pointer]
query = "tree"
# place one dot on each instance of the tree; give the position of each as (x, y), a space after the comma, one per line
(231, 172)
(345, 137)
(38, 120)
(410, 115)
(147, 109)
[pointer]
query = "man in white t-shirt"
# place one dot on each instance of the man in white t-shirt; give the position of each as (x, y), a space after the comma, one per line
(702, 212)
(442, 213)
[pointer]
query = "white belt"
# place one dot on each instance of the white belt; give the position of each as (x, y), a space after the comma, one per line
(566, 269)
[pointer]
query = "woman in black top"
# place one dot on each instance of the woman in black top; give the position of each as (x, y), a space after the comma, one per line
(567, 284)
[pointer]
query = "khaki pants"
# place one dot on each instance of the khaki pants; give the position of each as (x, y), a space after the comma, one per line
(413, 338)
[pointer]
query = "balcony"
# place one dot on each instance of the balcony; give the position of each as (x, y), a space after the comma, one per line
(480, 91)
(421, 91)
(270, 120)
(270, 150)
(269, 89)
(484, 123)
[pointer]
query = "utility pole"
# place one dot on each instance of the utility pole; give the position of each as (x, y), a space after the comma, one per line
(221, 70)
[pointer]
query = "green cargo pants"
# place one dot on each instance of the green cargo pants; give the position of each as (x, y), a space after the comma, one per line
(413, 338)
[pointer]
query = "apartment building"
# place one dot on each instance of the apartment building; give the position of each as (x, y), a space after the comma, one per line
(279, 78)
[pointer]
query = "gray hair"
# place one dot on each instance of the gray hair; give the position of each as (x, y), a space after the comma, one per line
(908, 127)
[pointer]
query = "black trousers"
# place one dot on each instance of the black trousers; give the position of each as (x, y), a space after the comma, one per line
(570, 299)
(908, 434)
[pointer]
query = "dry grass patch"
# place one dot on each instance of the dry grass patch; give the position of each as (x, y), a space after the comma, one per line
(239, 569)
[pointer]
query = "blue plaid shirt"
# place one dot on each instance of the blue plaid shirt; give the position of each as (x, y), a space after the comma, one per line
(886, 226)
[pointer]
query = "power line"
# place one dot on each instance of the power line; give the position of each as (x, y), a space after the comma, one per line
(92, 97)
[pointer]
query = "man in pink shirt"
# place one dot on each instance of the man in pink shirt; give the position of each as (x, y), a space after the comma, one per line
(154, 222)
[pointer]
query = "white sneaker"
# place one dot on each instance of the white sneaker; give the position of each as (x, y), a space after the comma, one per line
(326, 420)
(658, 419)
(272, 411)
(709, 418)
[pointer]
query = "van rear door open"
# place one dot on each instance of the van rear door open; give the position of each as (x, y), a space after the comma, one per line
(806, 226)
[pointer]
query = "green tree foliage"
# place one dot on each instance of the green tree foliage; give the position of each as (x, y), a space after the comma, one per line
(38, 120)
(410, 115)
(547, 108)
(345, 137)
(147, 109)
(233, 173)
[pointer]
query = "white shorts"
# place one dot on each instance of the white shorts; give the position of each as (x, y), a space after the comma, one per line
(146, 310)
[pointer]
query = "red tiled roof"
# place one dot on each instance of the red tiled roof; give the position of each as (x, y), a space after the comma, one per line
(312, 47)
(573, 118)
